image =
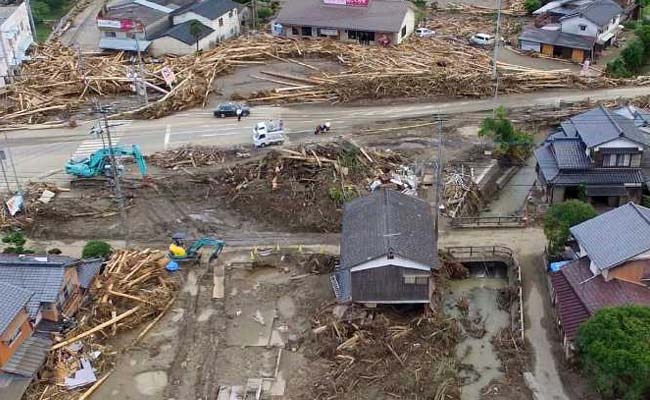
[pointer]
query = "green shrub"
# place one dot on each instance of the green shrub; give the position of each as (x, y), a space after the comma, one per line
(614, 352)
(513, 144)
(633, 55)
(16, 238)
(54, 251)
(617, 69)
(341, 196)
(96, 249)
(264, 13)
(645, 200)
(532, 5)
(562, 216)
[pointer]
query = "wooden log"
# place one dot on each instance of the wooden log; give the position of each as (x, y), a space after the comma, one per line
(152, 323)
(94, 387)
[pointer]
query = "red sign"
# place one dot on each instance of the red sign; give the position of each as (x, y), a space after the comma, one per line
(121, 24)
(351, 3)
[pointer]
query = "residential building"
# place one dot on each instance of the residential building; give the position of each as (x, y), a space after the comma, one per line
(573, 29)
(16, 37)
(219, 21)
(613, 269)
(361, 21)
(597, 154)
(388, 250)
(36, 293)
(163, 26)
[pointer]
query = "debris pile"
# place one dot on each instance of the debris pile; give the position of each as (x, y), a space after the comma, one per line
(304, 187)
(35, 196)
(385, 354)
(133, 288)
(195, 156)
(461, 195)
(56, 83)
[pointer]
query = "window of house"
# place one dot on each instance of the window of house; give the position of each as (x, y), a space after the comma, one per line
(15, 336)
(619, 160)
(306, 31)
(110, 34)
(230, 14)
(415, 279)
(220, 21)
(295, 31)
(404, 31)
(582, 27)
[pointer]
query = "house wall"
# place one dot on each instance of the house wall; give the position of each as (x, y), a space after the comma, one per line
(572, 25)
(229, 28)
(386, 285)
(15, 39)
(20, 323)
(170, 45)
(527, 45)
(409, 23)
(557, 195)
(631, 271)
(66, 303)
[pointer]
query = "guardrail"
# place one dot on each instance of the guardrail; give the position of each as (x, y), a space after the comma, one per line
(478, 252)
(511, 221)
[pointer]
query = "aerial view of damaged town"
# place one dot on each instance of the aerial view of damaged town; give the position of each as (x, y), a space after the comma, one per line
(325, 199)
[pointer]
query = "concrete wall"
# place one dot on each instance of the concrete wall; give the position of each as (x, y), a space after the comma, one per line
(15, 38)
(169, 45)
(225, 27)
(22, 323)
(572, 25)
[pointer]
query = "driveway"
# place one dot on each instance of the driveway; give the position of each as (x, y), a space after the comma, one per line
(84, 32)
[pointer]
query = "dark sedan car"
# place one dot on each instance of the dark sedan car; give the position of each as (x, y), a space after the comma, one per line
(230, 110)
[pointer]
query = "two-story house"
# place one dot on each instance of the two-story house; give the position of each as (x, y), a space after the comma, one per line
(613, 268)
(596, 154)
(15, 38)
(575, 29)
(388, 250)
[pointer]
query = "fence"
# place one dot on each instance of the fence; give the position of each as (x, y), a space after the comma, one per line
(511, 221)
(479, 253)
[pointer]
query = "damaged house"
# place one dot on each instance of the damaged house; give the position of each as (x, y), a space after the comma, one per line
(388, 250)
(36, 295)
(597, 154)
(613, 269)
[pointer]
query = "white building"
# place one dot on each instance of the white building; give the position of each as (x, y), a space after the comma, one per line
(15, 38)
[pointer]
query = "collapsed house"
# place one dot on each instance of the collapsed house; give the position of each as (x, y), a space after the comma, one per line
(388, 250)
(597, 154)
(613, 269)
(37, 296)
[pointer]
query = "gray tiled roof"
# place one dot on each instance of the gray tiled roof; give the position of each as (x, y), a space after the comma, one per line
(12, 300)
(29, 357)
(546, 162)
(599, 12)
(570, 154)
(558, 38)
(182, 32)
(379, 15)
(387, 220)
(615, 236)
(601, 176)
(210, 9)
(87, 270)
(44, 278)
(599, 125)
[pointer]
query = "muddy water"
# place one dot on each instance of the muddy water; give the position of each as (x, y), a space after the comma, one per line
(478, 352)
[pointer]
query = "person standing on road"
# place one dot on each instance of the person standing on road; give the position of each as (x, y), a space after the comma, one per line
(238, 114)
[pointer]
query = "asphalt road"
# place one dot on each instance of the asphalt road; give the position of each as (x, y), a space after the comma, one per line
(41, 154)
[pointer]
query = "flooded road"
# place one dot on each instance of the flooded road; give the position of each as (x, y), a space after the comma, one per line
(478, 353)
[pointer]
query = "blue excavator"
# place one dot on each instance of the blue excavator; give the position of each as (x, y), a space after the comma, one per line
(181, 250)
(99, 162)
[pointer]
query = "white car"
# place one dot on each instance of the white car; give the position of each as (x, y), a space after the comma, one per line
(424, 32)
(482, 39)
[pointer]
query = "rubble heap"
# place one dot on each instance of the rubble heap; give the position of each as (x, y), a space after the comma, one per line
(195, 156)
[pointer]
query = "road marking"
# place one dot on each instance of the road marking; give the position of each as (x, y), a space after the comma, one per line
(89, 146)
(168, 131)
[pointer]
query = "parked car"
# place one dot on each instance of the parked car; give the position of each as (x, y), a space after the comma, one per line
(268, 133)
(230, 110)
(424, 32)
(482, 39)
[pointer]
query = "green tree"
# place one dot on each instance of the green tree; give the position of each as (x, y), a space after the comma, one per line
(642, 31)
(617, 68)
(40, 10)
(532, 5)
(196, 28)
(96, 249)
(614, 352)
(16, 241)
(562, 216)
(264, 13)
(513, 144)
(633, 55)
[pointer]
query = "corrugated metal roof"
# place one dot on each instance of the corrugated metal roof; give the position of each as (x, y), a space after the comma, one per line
(570, 309)
(13, 299)
(615, 236)
(29, 357)
(378, 16)
(385, 221)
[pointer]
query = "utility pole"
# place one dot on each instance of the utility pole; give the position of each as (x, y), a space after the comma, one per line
(116, 180)
(438, 177)
(497, 40)
(254, 15)
(4, 172)
(13, 166)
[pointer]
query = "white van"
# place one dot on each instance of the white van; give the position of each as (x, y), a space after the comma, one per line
(267, 133)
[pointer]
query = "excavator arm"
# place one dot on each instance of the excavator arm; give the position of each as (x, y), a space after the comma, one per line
(94, 165)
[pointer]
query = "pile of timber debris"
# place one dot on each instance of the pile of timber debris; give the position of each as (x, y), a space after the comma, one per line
(316, 179)
(195, 156)
(55, 83)
(461, 195)
(34, 201)
(134, 288)
(385, 355)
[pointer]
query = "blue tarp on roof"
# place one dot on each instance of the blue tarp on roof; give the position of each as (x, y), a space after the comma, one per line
(556, 266)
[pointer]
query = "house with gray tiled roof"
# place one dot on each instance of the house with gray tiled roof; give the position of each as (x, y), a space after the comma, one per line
(613, 268)
(388, 250)
(599, 154)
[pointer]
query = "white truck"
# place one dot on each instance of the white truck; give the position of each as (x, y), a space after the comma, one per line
(268, 133)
